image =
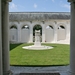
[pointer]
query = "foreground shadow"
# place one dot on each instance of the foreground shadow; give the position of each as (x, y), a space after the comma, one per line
(12, 46)
(38, 65)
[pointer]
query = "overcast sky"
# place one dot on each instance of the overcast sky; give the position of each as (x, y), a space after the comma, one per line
(39, 6)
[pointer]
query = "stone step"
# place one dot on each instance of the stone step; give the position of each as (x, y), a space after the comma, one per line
(39, 73)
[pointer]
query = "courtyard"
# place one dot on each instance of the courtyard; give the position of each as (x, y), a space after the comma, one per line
(59, 55)
(4, 39)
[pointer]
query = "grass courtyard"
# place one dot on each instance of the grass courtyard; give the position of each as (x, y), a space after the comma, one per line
(59, 55)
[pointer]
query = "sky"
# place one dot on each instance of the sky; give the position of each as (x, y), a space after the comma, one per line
(39, 6)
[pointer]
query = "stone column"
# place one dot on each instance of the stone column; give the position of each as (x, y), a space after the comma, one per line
(43, 33)
(67, 32)
(1, 73)
(19, 33)
(31, 33)
(72, 40)
(55, 33)
(5, 37)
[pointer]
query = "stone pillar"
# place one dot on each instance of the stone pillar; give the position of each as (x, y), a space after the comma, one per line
(55, 33)
(1, 72)
(5, 37)
(31, 33)
(19, 33)
(67, 32)
(72, 40)
(43, 33)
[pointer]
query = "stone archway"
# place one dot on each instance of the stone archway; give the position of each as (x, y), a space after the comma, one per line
(49, 33)
(61, 29)
(25, 34)
(37, 27)
(13, 34)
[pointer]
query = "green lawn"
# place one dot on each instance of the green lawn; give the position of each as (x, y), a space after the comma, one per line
(59, 55)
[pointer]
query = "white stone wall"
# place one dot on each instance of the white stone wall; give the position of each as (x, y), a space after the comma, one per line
(61, 34)
(13, 35)
(25, 35)
(48, 35)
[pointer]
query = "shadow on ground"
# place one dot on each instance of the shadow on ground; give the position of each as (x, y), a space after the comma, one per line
(38, 65)
(12, 46)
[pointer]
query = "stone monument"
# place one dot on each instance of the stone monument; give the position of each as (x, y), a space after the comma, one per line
(37, 44)
(37, 38)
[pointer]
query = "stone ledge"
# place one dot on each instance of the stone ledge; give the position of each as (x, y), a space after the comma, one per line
(39, 74)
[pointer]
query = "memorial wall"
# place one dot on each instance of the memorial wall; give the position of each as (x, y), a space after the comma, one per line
(55, 27)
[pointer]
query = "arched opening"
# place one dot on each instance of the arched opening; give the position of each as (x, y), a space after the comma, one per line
(13, 34)
(25, 27)
(49, 33)
(37, 27)
(25, 34)
(61, 27)
(13, 27)
(61, 31)
(49, 27)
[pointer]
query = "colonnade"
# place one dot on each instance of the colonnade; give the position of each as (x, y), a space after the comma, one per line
(55, 34)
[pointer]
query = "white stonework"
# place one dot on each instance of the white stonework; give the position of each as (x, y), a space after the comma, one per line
(37, 44)
(55, 27)
(37, 38)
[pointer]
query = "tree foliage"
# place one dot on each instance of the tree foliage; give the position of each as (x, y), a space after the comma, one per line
(37, 27)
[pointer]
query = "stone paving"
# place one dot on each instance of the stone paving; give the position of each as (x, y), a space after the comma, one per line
(63, 70)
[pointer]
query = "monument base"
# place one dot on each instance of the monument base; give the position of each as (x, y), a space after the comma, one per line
(37, 44)
(38, 47)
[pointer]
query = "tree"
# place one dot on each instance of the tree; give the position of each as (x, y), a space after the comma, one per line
(37, 27)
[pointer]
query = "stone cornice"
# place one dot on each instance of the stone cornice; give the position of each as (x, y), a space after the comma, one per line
(7, 0)
(71, 0)
(31, 16)
(10, 0)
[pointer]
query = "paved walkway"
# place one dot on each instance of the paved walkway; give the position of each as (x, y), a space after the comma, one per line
(63, 70)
